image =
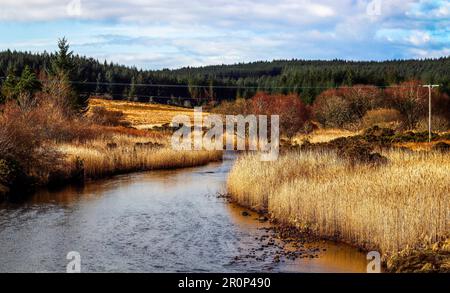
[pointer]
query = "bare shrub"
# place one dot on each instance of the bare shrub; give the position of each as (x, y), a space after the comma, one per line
(294, 114)
(332, 110)
(410, 99)
(58, 124)
(361, 98)
(28, 159)
(344, 107)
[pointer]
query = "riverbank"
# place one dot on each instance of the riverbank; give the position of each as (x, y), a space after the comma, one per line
(399, 208)
(124, 154)
(44, 144)
(117, 153)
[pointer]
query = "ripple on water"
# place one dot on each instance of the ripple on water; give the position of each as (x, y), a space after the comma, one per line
(165, 221)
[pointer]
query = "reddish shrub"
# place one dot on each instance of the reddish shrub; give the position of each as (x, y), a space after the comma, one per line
(22, 146)
(292, 111)
(410, 99)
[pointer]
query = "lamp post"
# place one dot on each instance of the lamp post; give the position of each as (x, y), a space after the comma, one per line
(430, 87)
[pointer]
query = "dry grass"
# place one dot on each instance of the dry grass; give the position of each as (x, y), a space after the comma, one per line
(124, 153)
(403, 204)
(323, 135)
(143, 115)
(420, 146)
(121, 149)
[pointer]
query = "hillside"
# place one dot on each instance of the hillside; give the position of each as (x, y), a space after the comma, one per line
(142, 115)
(204, 84)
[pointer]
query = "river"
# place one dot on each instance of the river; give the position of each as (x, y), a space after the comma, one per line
(161, 221)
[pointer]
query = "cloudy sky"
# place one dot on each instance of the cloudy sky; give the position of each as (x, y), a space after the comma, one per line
(156, 34)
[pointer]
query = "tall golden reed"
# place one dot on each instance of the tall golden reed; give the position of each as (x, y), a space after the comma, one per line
(102, 157)
(404, 204)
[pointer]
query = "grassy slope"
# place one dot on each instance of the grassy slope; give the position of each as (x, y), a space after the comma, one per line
(143, 115)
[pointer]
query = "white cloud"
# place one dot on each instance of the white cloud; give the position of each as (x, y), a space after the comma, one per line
(431, 53)
(320, 10)
(418, 38)
(171, 33)
(166, 10)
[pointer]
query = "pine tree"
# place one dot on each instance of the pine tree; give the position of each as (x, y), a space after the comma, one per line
(28, 82)
(8, 91)
(23, 87)
(63, 59)
(27, 86)
(62, 71)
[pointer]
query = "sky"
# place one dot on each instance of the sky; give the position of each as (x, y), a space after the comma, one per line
(156, 34)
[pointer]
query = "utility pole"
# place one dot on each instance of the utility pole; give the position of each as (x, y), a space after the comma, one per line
(430, 87)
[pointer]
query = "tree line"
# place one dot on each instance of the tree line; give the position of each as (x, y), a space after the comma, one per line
(214, 84)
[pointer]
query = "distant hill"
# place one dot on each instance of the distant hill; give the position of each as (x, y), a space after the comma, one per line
(219, 82)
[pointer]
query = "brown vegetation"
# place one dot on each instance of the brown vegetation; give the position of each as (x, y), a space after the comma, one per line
(411, 100)
(142, 115)
(389, 207)
(399, 106)
(386, 118)
(293, 113)
(42, 142)
(120, 153)
(343, 106)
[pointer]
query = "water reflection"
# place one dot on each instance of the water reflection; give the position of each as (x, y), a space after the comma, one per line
(165, 221)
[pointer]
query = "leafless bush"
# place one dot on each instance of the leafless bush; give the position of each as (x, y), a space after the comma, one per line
(23, 150)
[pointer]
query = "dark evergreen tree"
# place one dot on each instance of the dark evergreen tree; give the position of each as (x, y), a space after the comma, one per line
(62, 70)
(62, 61)
(28, 83)
(306, 78)
(22, 88)
(8, 90)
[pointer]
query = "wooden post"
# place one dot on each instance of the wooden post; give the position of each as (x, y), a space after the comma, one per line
(430, 87)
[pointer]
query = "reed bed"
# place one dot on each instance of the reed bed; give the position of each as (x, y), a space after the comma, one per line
(122, 153)
(404, 204)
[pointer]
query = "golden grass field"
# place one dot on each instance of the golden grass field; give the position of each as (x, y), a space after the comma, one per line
(121, 149)
(404, 204)
(329, 134)
(143, 115)
(323, 135)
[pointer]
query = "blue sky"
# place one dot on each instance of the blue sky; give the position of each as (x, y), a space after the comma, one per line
(156, 34)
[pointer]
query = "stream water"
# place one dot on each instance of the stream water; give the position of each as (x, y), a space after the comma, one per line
(161, 221)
